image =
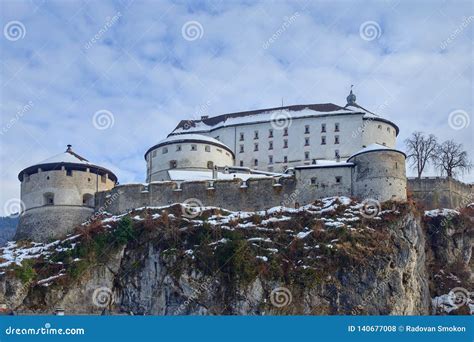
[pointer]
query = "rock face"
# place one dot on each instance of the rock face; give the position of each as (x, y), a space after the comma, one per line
(327, 258)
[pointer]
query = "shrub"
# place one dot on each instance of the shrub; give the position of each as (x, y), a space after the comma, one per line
(124, 231)
(25, 271)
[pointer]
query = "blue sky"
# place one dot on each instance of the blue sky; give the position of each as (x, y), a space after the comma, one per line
(149, 64)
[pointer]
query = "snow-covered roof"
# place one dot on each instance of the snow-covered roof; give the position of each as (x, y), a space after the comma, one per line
(193, 175)
(189, 138)
(68, 158)
(261, 115)
(65, 157)
(206, 124)
(325, 163)
(374, 147)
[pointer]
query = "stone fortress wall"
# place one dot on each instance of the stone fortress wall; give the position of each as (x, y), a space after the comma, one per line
(376, 178)
(437, 192)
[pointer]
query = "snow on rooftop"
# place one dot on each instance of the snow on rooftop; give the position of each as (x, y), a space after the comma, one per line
(373, 147)
(200, 137)
(64, 157)
(264, 116)
(193, 175)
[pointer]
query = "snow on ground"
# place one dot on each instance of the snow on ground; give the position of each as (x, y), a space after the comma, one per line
(441, 212)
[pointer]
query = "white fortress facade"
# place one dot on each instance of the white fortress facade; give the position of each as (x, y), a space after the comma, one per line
(240, 161)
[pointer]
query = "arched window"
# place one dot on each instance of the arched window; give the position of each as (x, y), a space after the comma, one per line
(88, 200)
(210, 165)
(48, 198)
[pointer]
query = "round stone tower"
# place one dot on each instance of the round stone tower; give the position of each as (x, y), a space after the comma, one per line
(379, 173)
(58, 194)
(186, 152)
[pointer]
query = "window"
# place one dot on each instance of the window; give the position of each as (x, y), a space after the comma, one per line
(323, 140)
(88, 200)
(336, 139)
(165, 150)
(285, 159)
(270, 159)
(270, 133)
(178, 148)
(336, 127)
(336, 154)
(153, 154)
(285, 132)
(285, 143)
(217, 138)
(379, 126)
(388, 129)
(241, 137)
(270, 145)
(219, 150)
(313, 161)
(241, 149)
(69, 172)
(173, 164)
(210, 165)
(207, 148)
(255, 162)
(323, 128)
(338, 179)
(241, 163)
(306, 155)
(255, 147)
(48, 198)
(306, 129)
(88, 179)
(255, 135)
(103, 178)
(193, 147)
(313, 180)
(384, 144)
(306, 141)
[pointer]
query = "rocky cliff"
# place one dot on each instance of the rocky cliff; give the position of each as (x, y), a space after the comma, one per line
(335, 256)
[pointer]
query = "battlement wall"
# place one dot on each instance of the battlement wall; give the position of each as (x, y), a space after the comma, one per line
(235, 194)
(439, 192)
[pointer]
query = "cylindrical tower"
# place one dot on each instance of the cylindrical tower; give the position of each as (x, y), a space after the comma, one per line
(186, 152)
(379, 174)
(58, 194)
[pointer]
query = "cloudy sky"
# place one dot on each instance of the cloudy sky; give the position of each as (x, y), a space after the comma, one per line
(144, 65)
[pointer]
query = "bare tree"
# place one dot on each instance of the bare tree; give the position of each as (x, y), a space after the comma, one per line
(420, 150)
(451, 159)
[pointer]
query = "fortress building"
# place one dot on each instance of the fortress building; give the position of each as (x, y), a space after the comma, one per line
(240, 161)
(58, 194)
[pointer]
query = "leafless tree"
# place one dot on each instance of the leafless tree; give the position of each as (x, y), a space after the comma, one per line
(420, 150)
(451, 159)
